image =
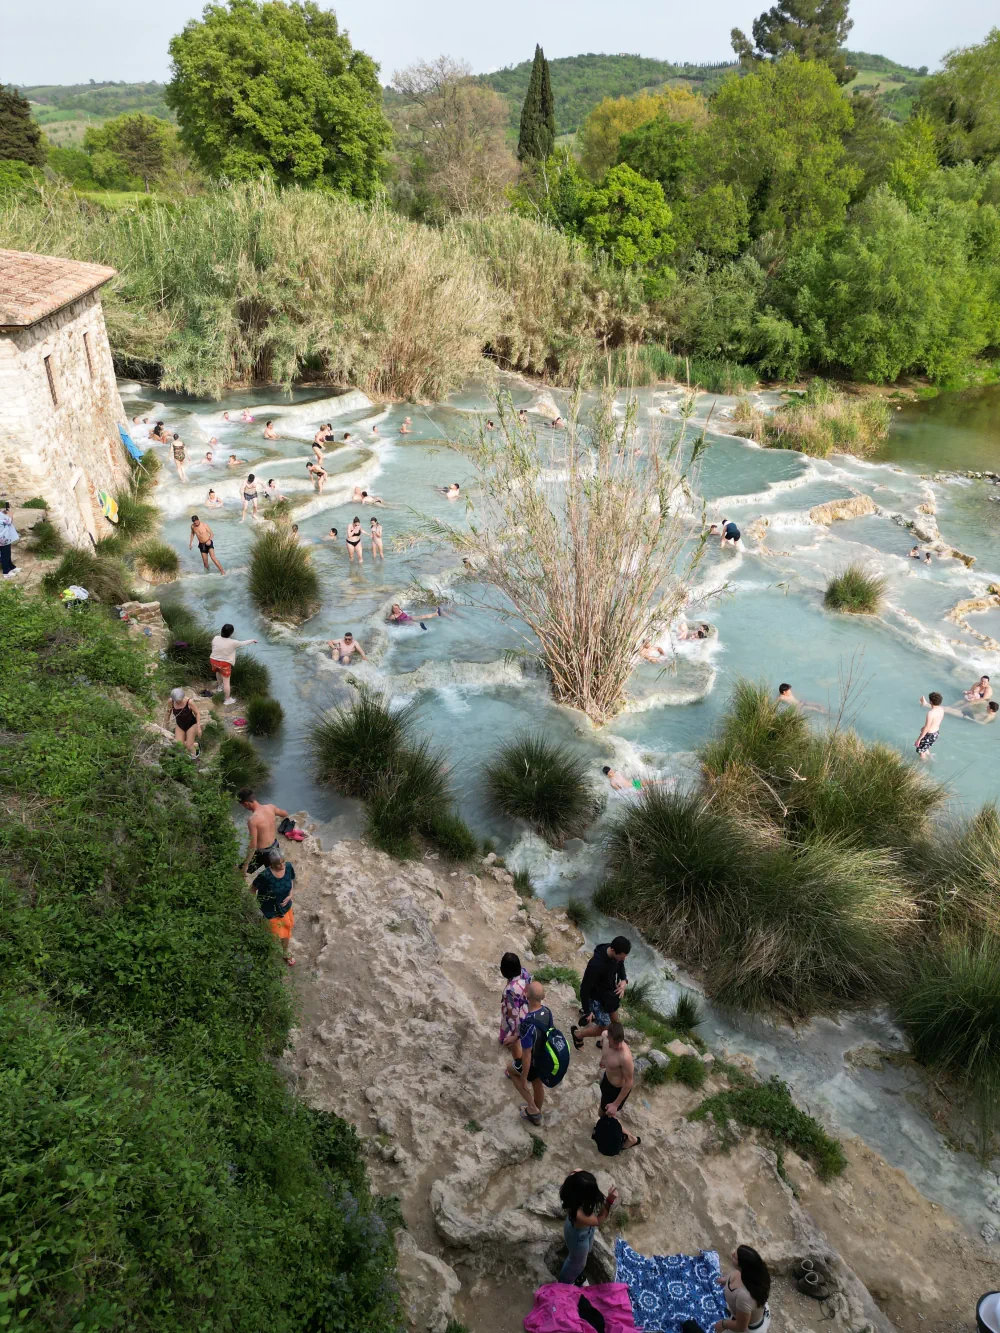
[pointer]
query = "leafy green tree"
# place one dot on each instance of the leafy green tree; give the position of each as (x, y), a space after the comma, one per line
(810, 29)
(20, 137)
(963, 102)
(142, 145)
(601, 133)
(274, 87)
(537, 134)
(74, 165)
(628, 217)
(777, 136)
(660, 150)
(553, 191)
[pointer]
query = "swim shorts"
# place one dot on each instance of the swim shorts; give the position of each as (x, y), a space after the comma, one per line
(221, 668)
(927, 742)
(260, 861)
(282, 926)
(205, 547)
(601, 1016)
(609, 1092)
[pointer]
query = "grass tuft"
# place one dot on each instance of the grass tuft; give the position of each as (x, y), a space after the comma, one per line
(136, 518)
(282, 580)
(46, 540)
(538, 943)
(250, 678)
(264, 716)
(239, 764)
(158, 557)
(543, 783)
(190, 643)
(105, 579)
(145, 472)
(407, 800)
(824, 421)
(354, 748)
(687, 1012)
(523, 886)
(36, 502)
(452, 836)
(538, 1147)
(857, 590)
(554, 972)
(689, 1070)
(579, 912)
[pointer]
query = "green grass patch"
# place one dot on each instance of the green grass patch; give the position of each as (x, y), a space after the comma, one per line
(239, 765)
(408, 801)
(452, 836)
(106, 579)
(687, 1013)
(769, 1109)
(543, 783)
(355, 747)
(190, 643)
(46, 541)
(145, 473)
(689, 1070)
(264, 716)
(250, 678)
(642, 364)
(579, 912)
(136, 518)
(538, 942)
(473, 1126)
(36, 502)
(282, 580)
(856, 589)
(158, 557)
(538, 1147)
(823, 421)
(656, 1075)
(554, 972)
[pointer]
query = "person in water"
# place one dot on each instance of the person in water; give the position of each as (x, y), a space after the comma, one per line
(979, 692)
(932, 724)
(785, 696)
(652, 652)
(404, 429)
(272, 492)
(730, 533)
(246, 416)
(317, 475)
(182, 714)
(702, 631)
(179, 454)
(453, 491)
(213, 501)
(269, 432)
(213, 447)
(914, 552)
(234, 461)
(620, 782)
(354, 547)
(345, 648)
(376, 536)
(973, 714)
(222, 659)
(249, 496)
(361, 497)
(202, 533)
(332, 536)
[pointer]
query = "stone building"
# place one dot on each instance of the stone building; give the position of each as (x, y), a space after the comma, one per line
(59, 404)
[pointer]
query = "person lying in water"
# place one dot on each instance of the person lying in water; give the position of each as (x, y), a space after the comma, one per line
(785, 696)
(397, 616)
(702, 631)
(345, 648)
(363, 498)
(975, 714)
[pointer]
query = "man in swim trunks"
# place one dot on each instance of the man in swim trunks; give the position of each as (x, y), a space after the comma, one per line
(932, 724)
(973, 715)
(178, 453)
(730, 533)
(345, 648)
(201, 532)
(618, 780)
(602, 987)
(273, 887)
(262, 826)
(249, 496)
(619, 1070)
(453, 491)
(785, 696)
(269, 432)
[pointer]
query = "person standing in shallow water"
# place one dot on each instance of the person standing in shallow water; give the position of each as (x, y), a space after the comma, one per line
(376, 536)
(222, 659)
(932, 724)
(202, 533)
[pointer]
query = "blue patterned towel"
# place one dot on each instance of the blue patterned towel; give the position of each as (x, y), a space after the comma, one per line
(667, 1289)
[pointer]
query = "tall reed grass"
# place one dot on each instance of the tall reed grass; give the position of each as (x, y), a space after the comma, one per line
(857, 590)
(282, 580)
(824, 421)
(651, 362)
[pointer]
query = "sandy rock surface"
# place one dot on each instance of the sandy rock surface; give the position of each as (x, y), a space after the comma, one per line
(399, 987)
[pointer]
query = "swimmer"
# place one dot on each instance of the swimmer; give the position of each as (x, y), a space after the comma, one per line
(272, 492)
(652, 652)
(201, 532)
(225, 416)
(212, 501)
(354, 546)
(927, 557)
(208, 458)
(558, 424)
(295, 535)
(347, 436)
(404, 429)
(972, 715)
(376, 536)
(702, 631)
(246, 416)
(620, 782)
(363, 498)
(234, 461)
(374, 430)
(452, 492)
(213, 447)
(730, 533)
(978, 693)
(345, 648)
(179, 454)
(785, 696)
(249, 496)
(397, 616)
(332, 536)
(135, 421)
(932, 724)
(269, 432)
(522, 416)
(159, 434)
(914, 552)
(489, 424)
(317, 475)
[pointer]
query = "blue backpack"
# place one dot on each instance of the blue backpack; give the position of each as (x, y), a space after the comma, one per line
(550, 1052)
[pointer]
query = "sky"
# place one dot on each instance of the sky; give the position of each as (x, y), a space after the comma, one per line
(66, 41)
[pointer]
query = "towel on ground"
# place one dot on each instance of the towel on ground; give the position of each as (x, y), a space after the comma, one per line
(557, 1308)
(668, 1289)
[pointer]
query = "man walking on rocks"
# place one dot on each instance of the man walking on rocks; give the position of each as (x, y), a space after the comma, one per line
(523, 1073)
(602, 987)
(618, 1074)
(262, 827)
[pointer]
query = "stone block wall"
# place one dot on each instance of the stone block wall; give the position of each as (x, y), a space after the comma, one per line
(67, 448)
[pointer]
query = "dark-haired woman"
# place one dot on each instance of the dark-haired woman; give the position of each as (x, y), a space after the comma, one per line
(586, 1208)
(746, 1290)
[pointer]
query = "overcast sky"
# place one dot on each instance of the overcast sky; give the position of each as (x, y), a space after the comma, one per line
(70, 41)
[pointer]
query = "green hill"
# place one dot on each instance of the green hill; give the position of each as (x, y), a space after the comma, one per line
(65, 110)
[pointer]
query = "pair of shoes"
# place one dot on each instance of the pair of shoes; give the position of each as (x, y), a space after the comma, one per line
(12, 574)
(230, 700)
(295, 835)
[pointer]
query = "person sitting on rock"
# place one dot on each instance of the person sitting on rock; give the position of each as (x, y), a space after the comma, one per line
(746, 1290)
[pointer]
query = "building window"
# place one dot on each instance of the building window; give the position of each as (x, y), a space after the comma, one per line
(86, 348)
(52, 381)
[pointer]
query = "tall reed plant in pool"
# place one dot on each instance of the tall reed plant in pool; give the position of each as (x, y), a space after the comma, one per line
(543, 783)
(586, 535)
(856, 589)
(282, 580)
(356, 746)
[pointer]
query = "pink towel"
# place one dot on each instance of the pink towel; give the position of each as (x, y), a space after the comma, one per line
(556, 1308)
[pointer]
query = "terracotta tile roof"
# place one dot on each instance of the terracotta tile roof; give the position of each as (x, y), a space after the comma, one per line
(33, 286)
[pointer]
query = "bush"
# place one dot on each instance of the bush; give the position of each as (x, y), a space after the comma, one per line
(769, 1109)
(523, 885)
(536, 780)
(264, 716)
(190, 643)
(650, 363)
(452, 836)
(553, 972)
(407, 800)
(35, 503)
(856, 590)
(104, 578)
(951, 1014)
(282, 580)
(355, 747)
(158, 557)
(689, 1070)
(250, 678)
(687, 1014)
(46, 540)
(145, 474)
(239, 764)
(823, 421)
(579, 912)
(136, 518)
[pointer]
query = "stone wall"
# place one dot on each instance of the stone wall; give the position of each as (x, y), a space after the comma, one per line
(68, 450)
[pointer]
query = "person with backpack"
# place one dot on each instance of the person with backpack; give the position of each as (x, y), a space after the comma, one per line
(544, 1055)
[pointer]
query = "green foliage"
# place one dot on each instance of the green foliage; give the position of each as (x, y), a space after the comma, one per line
(649, 363)
(158, 557)
(538, 943)
(537, 131)
(145, 472)
(154, 1159)
(35, 503)
(250, 678)
(661, 150)
(20, 137)
(963, 102)
(552, 972)
(689, 1070)
(17, 180)
(190, 643)
(74, 165)
(523, 886)
(579, 912)
(857, 590)
(136, 518)
(409, 799)
(823, 421)
(106, 579)
(282, 580)
(264, 716)
(538, 1147)
(135, 146)
(769, 1109)
(239, 765)
(687, 1013)
(354, 748)
(46, 540)
(278, 89)
(452, 836)
(810, 29)
(628, 217)
(543, 783)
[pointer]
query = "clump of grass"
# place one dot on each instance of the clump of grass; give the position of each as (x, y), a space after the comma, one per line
(46, 540)
(158, 558)
(190, 643)
(538, 943)
(543, 783)
(145, 471)
(824, 421)
(239, 764)
(452, 836)
(857, 590)
(656, 1075)
(250, 678)
(580, 913)
(355, 747)
(105, 579)
(640, 364)
(523, 886)
(689, 1070)
(136, 518)
(473, 1126)
(264, 716)
(951, 1013)
(769, 1109)
(686, 1014)
(282, 580)
(113, 545)
(36, 502)
(211, 734)
(407, 800)
(538, 1147)
(555, 972)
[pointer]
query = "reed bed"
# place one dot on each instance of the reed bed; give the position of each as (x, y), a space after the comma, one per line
(824, 421)
(650, 363)
(857, 590)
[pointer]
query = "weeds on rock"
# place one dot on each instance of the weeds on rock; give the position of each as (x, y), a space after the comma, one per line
(555, 972)
(523, 886)
(538, 943)
(158, 557)
(579, 912)
(687, 1014)
(46, 540)
(538, 1147)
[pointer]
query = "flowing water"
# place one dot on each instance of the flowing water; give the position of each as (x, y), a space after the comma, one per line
(764, 602)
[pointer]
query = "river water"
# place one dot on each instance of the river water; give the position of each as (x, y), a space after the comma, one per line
(765, 602)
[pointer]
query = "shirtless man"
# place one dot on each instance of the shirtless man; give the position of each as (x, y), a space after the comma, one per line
(932, 724)
(213, 447)
(619, 781)
(249, 496)
(262, 827)
(652, 652)
(269, 432)
(618, 1076)
(332, 536)
(453, 491)
(361, 497)
(785, 696)
(978, 693)
(201, 532)
(973, 715)
(345, 648)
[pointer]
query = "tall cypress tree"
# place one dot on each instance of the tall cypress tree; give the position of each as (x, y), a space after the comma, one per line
(538, 114)
(20, 137)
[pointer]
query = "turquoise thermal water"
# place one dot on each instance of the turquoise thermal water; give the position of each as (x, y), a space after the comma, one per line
(765, 602)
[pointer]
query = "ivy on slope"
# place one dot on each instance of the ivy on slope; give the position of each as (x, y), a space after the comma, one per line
(156, 1172)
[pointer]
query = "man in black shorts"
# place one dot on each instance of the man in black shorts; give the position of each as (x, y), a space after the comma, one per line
(618, 1077)
(206, 545)
(602, 987)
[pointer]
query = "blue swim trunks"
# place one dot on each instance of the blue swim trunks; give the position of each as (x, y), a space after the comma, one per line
(601, 1016)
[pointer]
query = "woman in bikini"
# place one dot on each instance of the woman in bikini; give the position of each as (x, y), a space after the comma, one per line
(182, 711)
(376, 536)
(354, 546)
(249, 496)
(179, 454)
(318, 475)
(317, 448)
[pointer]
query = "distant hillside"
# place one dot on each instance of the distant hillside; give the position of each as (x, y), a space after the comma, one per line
(65, 110)
(580, 82)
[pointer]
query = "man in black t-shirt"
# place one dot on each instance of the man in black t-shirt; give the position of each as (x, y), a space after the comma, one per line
(602, 987)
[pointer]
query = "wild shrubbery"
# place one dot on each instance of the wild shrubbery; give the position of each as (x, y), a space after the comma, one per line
(155, 1164)
(282, 580)
(857, 590)
(543, 783)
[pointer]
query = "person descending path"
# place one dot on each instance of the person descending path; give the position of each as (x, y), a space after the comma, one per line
(262, 826)
(618, 1077)
(601, 990)
(222, 659)
(182, 712)
(202, 533)
(273, 887)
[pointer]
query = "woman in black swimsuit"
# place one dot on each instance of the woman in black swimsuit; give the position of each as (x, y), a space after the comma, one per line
(183, 712)
(354, 546)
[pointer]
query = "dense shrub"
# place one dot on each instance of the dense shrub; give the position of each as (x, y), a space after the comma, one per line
(822, 421)
(190, 643)
(239, 765)
(136, 518)
(46, 540)
(264, 716)
(154, 1163)
(543, 783)
(282, 580)
(105, 578)
(158, 557)
(408, 800)
(769, 1109)
(452, 836)
(250, 678)
(857, 590)
(355, 747)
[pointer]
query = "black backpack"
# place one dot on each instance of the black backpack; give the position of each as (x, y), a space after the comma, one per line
(550, 1052)
(609, 1136)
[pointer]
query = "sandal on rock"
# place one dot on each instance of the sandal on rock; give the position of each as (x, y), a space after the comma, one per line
(577, 1040)
(290, 962)
(638, 1140)
(526, 1115)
